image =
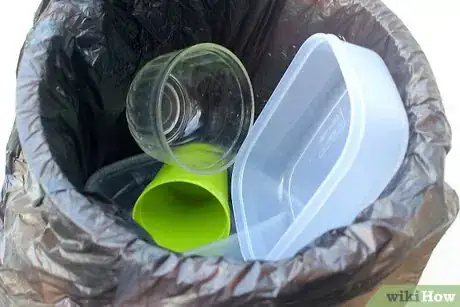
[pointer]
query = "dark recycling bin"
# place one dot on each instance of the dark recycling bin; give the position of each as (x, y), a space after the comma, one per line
(64, 245)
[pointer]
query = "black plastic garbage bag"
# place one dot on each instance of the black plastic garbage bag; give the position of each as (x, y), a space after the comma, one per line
(66, 246)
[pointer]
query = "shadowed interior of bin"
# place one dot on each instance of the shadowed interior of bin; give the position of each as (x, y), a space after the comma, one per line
(85, 123)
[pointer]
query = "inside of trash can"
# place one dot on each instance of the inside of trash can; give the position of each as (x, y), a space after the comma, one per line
(89, 136)
(85, 122)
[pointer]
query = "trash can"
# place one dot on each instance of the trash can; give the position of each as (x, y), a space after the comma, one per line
(64, 245)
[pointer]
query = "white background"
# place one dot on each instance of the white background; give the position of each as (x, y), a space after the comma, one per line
(434, 23)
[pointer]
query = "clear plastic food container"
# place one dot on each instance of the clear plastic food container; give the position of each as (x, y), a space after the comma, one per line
(326, 145)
